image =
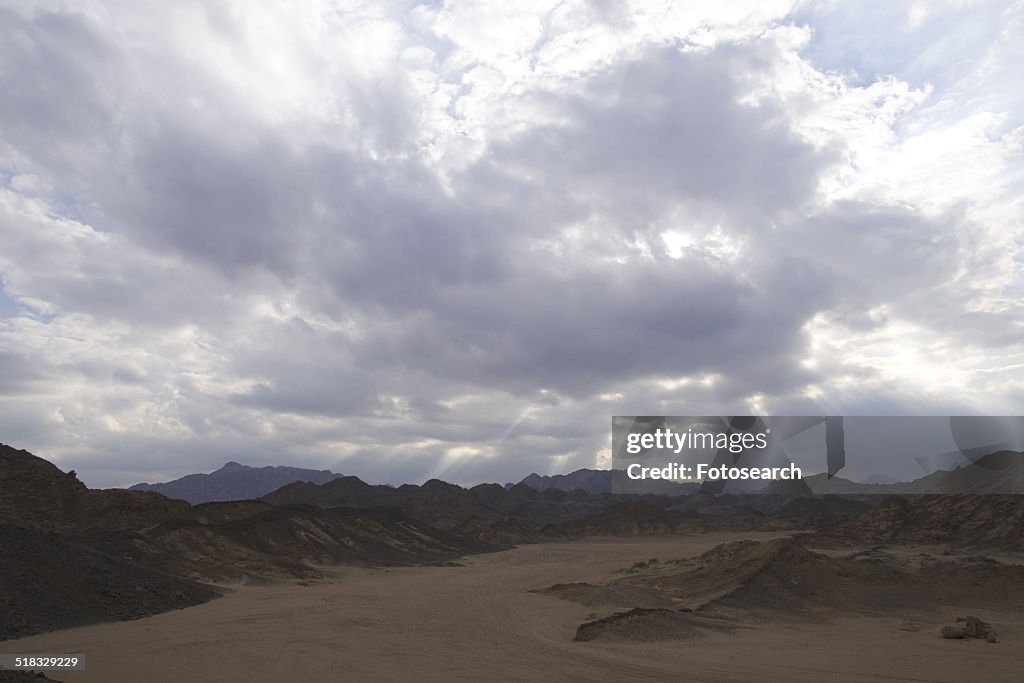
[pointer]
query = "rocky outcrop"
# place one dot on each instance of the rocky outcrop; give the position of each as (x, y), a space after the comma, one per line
(969, 627)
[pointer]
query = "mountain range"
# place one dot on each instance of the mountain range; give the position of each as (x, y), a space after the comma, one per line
(234, 481)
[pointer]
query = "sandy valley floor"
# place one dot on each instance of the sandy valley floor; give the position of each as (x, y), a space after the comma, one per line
(479, 622)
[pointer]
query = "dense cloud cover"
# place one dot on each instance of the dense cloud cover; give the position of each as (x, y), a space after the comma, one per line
(452, 240)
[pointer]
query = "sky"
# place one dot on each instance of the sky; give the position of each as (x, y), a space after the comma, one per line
(405, 241)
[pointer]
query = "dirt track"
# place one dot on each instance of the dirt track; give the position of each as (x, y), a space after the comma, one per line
(478, 622)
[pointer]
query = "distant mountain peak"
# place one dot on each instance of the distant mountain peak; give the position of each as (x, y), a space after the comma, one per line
(235, 481)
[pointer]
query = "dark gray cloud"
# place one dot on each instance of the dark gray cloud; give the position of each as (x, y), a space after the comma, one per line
(56, 94)
(579, 331)
(670, 127)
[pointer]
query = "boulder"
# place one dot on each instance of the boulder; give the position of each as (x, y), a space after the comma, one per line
(954, 632)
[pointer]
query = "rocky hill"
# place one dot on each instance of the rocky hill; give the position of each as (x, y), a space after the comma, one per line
(591, 481)
(72, 555)
(35, 493)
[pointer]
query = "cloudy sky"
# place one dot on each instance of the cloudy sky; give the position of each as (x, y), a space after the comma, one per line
(409, 240)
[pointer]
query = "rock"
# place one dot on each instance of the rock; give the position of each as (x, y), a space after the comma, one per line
(954, 632)
(969, 627)
(975, 627)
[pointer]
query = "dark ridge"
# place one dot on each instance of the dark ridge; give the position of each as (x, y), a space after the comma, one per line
(969, 520)
(35, 493)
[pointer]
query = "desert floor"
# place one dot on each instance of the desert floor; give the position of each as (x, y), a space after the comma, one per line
(479, 622)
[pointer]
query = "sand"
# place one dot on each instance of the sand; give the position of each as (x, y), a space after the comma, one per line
(481, 622)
